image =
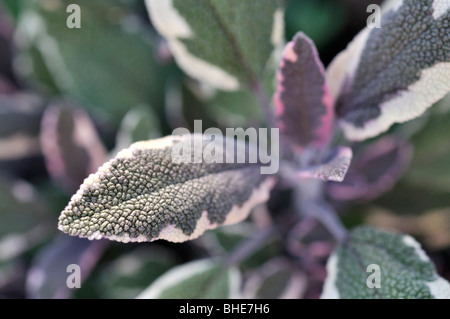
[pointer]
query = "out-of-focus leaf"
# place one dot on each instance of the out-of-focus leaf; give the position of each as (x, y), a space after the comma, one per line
(24, 219)
(333, 168)
(20, 115)
(321, 20)
(392, 74)
(374, 171)
(277, 279)
(13, 6)
(225, 44)
(303, 104)
(405, 199)
(165, 189)
(108, 64)
(70, 144)
(198, 101)
(223, 241)
(433, 227)
(206, 278)
(405, 270)
(138, 124)
(431, 162)
(12, 274)
(130, 274)
(50, 271)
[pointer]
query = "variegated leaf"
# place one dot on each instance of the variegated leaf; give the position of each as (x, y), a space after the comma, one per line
(226, 44)
(379, 264)
(50, 272)
(71, 146)
(200, 279)
(303, 104)
(394, 73)
(375, 170)
(165, 189)
(333, 168)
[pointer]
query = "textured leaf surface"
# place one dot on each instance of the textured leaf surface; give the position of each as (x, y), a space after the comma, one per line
(70, 144)
(394, 73)
(108, 64)
(405, 269)
(143, 194)
(374, 171)
(303, 104)
(226, 44)
(200, 279)
(333, 168)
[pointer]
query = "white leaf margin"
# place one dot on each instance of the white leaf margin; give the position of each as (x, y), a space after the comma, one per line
(185, 271)
(439, 288)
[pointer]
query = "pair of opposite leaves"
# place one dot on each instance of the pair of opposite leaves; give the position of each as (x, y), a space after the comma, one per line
(385, 76)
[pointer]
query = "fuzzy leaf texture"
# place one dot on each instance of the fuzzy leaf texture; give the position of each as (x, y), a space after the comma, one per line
(406, 272)
(303, 104)
(226, 44)
(333, 167)
(392, 74)
(199, 279)
(143, 194)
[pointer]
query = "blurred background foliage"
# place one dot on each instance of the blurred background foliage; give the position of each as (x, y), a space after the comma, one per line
(71, 98)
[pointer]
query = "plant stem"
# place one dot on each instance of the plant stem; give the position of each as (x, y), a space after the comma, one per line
(309, 202)
(249, 246)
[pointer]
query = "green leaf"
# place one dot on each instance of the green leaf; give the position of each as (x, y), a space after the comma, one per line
(430, 165)
(130, 274)
(393, 73)
(24, 218)
(139, 124)
(107, 65)
(226, 44)
(404, 268)
(200, 279)
(277, 279)
(162, 189)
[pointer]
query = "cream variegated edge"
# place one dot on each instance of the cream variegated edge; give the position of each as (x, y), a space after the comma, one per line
(439, 288)
(173, 234)
(168, 21)
(183, 272)
(432, 86)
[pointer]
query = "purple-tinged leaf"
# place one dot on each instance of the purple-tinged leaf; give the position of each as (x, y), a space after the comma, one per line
(49, 273)
(145, 193)
(20, 116)
(392, 74)
(333, 168)
(70, 144)
(303, 104)
(374, 171)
